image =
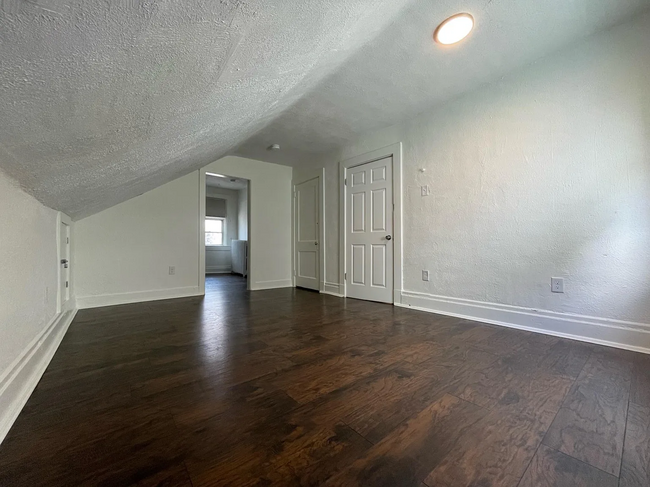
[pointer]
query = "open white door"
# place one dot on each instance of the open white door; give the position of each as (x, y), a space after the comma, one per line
(64, 262)
(369, 229)
(306, 245)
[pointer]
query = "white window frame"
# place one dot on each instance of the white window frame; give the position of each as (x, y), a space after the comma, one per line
(224, 228)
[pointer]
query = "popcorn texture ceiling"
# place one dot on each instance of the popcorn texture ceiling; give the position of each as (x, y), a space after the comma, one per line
(102, 101)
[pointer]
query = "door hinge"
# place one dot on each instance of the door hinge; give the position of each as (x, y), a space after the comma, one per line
(345, 276)
(66, 283)
(67, 240)
(345, 181)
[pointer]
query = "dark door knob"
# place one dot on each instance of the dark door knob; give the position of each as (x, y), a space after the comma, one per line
(388, 237)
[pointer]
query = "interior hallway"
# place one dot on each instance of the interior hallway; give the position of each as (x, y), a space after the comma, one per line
(290, 387)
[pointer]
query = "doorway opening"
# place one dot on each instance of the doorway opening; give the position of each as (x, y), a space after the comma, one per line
(226, 230)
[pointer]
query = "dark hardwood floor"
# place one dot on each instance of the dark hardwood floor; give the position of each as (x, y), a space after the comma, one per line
(290, 387)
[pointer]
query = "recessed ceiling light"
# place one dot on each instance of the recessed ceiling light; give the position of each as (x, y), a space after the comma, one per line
(215, 175)
(454, 29)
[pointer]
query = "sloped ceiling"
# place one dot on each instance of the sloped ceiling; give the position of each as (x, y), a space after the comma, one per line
(403, 72)
(102, 101)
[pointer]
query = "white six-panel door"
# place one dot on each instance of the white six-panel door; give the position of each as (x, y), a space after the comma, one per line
(306, 234)
(369, 230)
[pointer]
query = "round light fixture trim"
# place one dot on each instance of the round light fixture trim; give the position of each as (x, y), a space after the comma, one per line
(454, 29)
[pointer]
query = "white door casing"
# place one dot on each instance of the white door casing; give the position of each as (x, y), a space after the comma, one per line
(369, 231)
(307, 233)
(64, 263)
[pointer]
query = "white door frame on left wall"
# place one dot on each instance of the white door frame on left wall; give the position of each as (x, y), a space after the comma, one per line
(63, 219)
(19, 380)
(307, 176)
(202, 194)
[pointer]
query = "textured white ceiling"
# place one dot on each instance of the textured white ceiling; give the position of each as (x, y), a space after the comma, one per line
(403, 72)
(102, 101)
(226, 183)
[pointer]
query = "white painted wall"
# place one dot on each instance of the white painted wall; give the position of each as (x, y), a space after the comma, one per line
(219, 259)
(31, 326)
(28, 259)
(269, 234)
(123, 254)
(242, 216)
(544, 173)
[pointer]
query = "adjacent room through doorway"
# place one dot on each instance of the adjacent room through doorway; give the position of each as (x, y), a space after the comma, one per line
(226, 230)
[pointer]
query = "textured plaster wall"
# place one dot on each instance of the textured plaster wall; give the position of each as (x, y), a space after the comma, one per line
(28, 259)
(129, 247)
(544, 173)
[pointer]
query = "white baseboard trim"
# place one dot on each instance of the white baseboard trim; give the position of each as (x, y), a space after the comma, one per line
(20, 379)
(260, 285)
(86, 302)
(333, 289)
(218, 270)
(602, 331)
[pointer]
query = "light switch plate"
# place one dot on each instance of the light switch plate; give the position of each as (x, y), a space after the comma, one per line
(425, 190)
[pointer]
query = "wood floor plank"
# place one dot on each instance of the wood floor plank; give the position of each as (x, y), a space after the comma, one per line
(503, 382)
(289, 387)
(640, 392)
(428, 382)
(635, 467)
(290, 454)
(550, 468)
(414, 448)
(305, 383)
(106, 450)
(590, 426)
(497, 448)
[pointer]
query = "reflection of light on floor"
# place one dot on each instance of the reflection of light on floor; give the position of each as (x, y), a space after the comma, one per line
(214, 337)
(217, 338)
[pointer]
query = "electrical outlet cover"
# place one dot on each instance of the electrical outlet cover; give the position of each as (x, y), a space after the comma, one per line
(557, 285)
